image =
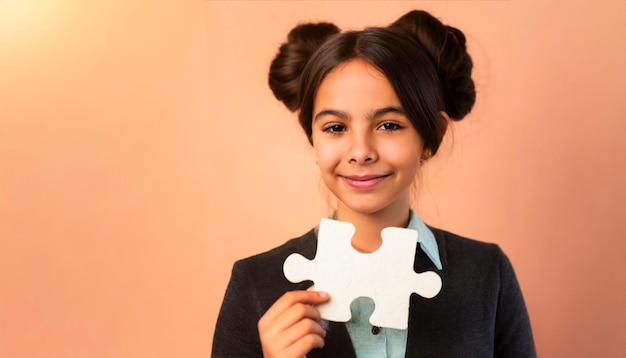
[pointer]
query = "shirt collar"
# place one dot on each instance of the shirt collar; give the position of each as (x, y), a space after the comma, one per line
(425, 237)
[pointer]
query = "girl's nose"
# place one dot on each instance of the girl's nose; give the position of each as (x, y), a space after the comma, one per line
(362, 150)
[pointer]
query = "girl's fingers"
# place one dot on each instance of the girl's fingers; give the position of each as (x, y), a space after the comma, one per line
(306, 344)
(291, 328)
(298, 340)
(299, 312)
(300, 330)
(288, 320)
(290, 299)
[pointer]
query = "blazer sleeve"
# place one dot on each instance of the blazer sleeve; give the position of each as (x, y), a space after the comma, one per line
(513, 334)
(236, 332)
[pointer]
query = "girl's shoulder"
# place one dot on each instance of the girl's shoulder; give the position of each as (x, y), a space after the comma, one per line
(305, 245)
(455, 241)
(455, 249)
(262, 275)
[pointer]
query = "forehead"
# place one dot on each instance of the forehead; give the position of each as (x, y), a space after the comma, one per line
(355, 82)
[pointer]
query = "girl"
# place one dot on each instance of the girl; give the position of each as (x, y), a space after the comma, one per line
(375, 104)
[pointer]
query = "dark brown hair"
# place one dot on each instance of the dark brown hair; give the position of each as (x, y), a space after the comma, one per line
(425, 61)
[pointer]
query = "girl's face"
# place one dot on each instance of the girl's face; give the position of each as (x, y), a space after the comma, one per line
(367, 150)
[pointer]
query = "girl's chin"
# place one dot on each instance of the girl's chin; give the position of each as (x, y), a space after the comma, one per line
(374, 204)
(360, 208)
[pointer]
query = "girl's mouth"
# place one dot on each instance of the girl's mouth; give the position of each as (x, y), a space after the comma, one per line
(363, 182)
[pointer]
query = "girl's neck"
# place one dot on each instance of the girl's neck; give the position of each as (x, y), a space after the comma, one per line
(369, 225)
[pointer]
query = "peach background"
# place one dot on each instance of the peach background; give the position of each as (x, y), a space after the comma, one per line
(141, 154)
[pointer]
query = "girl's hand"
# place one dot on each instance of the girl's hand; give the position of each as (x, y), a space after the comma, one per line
(291, 328)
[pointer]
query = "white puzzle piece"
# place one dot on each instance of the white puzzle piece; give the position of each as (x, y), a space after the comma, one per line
(386, 275)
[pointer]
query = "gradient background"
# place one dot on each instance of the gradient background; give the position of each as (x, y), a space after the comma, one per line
(142, 153)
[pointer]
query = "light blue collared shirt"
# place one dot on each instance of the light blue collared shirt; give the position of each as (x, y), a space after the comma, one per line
(426, 239)
(379, 342)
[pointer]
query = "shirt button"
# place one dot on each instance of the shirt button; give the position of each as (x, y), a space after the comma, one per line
(375, 330)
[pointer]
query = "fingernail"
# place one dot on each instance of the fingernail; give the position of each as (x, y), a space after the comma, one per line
(322, 294)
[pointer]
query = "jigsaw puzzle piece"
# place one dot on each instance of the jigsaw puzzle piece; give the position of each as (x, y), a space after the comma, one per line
(385, 275)
(427, 284)
(401, 244)
(395, 267)
(330, 269)
(297, 268)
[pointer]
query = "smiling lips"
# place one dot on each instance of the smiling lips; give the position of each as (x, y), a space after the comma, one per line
(363, 182)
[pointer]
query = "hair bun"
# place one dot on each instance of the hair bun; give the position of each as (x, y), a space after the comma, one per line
(287, 66)
(446, 47)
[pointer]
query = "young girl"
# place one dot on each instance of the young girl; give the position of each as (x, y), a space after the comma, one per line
(375, 104)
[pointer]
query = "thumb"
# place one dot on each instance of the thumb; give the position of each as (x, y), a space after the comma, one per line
(323, 296)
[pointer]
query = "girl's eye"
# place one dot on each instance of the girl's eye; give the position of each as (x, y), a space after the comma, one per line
(334, 128)
(390, 126)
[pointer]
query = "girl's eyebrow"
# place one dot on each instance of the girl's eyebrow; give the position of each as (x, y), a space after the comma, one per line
(382, 111)
(371, 116)
(331, 112)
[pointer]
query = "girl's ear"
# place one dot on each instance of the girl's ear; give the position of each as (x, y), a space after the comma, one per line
(444, 119)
